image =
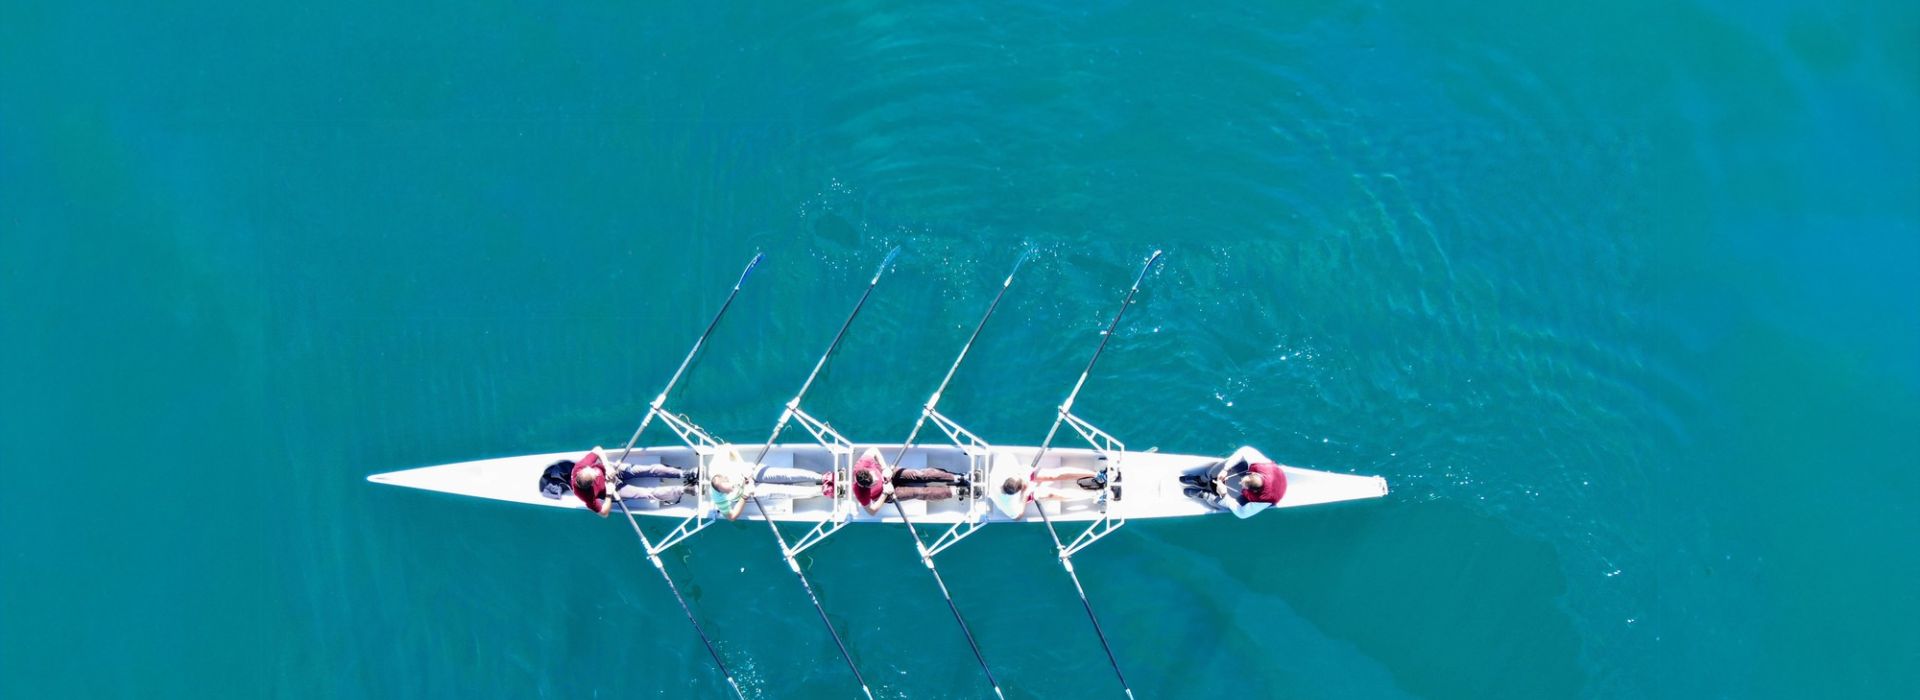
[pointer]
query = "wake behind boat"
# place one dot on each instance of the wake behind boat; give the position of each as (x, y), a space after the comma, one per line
(963, 484)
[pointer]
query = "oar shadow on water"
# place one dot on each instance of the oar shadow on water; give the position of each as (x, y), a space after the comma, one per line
(763, 624)
(1020, 606)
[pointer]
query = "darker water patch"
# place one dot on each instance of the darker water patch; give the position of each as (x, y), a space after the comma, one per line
(834, 230)
(1468, 600)
(1819, 460)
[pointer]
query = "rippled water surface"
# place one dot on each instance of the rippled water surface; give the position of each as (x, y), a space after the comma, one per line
(1620, 298)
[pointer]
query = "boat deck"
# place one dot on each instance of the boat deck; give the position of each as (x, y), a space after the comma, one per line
(1148, 483)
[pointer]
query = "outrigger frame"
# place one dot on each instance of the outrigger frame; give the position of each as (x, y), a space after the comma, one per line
(980, 453)
(842, 451)
(980, 460)
(843, 455)
(1105, 444)
(704, 447)
(1111, 450)
(980, 457)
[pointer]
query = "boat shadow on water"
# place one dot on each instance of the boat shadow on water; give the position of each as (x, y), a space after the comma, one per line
(1445, 628)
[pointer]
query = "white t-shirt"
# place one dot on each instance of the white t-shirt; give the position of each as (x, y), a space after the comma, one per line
(736, 472)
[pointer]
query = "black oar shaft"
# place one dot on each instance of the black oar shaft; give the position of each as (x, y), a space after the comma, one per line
(613, 469)
(1067, 564)
(781, 426)
(920, 545)
(1066, 406)
(793, 404)
(817, 607)
(955, 367)
(1102, 634)
(844, 325)
(1105, 336)
(688, 360)
(661, 567)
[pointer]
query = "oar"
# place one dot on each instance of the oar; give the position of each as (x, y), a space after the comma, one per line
(779, 427)
(612, 470)
(919, 544)
(661, 399)
(1065, 406)
(664, 576)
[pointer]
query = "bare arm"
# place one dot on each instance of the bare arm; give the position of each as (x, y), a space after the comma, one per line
(886, 494)
(1027, 503)
(739, 504)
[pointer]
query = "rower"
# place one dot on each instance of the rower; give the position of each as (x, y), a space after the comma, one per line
(587, 478)
(873, 483)
(869, 483)
(1242, 486)
(734, 481)
(1261, 488)
(1050, 485)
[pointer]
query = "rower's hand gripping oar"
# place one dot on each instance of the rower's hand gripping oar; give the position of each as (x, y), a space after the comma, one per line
(1060, 548)
(612, 470)
(780, 426)
(926, 411)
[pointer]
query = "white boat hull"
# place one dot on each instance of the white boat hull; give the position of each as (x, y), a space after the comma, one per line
(1150, 484)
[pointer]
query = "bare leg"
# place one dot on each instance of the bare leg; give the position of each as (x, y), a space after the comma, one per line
(1055, 492)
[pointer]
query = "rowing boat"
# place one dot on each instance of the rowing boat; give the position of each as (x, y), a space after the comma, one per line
(1150, 487)
(1119, 484)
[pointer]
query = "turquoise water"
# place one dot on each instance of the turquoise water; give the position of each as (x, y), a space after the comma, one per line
(1620, 298)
